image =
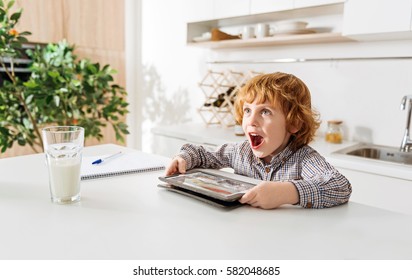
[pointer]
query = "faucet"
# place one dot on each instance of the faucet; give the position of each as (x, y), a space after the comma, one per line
(406, 144)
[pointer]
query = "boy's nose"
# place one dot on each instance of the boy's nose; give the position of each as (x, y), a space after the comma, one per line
(252, 120)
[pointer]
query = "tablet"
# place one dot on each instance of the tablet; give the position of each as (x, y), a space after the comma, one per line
(209, 184)
(203, 198)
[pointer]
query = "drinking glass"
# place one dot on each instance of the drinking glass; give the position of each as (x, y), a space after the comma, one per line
(63, 146)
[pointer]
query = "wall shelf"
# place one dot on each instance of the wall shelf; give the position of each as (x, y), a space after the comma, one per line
(325, 33)
(277, 40)
(300, 60)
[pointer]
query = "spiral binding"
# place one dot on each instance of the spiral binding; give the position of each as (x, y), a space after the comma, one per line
(118, 173)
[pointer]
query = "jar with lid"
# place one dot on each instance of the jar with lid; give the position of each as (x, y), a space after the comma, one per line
(334, 133)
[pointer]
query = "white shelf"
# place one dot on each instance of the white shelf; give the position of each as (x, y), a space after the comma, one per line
(313, 38)
(326, 34)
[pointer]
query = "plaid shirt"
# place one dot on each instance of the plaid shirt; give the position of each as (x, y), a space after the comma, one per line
(319, 184)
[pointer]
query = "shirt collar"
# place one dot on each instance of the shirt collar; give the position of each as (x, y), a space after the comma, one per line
(281, 157)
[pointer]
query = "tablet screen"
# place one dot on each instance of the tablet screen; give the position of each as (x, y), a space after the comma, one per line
(211, 184)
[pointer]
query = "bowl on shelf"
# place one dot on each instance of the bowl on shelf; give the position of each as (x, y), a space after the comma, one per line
(287, 25)
(206, 36)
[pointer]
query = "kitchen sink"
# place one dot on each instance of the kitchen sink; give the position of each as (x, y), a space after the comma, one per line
(376, 152)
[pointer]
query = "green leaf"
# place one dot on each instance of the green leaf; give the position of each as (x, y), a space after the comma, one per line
(27, 123)
(53, 74)
(29, 98)
(22, 39)
(76, 83)
(30, 84)
(10, 4)
(4, 131)
(92, 68)
(49, 99)
(21, 141)
(16, 16)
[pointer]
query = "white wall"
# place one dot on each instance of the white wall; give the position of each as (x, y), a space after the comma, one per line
(365, 94)
(171, 70)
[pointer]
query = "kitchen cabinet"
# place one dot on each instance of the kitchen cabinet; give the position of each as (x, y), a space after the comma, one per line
(198, 10)
(230, 8)
(201, 10)
(380, 191)
(310, 3)
(385, 19)
(267, 6)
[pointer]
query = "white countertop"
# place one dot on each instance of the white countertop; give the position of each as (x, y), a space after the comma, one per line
(129, 217)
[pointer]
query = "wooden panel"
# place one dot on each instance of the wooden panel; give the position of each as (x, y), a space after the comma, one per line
(95, 23)
(109, 137)
(17, 150)
(43, 18)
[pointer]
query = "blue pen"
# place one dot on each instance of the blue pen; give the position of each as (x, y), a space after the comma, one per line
(98, 161)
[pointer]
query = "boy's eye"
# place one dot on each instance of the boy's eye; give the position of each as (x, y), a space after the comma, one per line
(246, 110)
(266, 112)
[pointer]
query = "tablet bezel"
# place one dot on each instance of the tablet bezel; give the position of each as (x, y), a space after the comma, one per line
(201, 197)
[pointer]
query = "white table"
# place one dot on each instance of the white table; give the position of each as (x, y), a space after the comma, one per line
(129, 217)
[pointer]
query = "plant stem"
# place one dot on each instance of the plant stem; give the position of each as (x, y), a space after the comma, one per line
(32, 120)
(7, 71)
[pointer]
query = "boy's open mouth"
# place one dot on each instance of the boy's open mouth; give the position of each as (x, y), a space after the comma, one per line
(255, 140)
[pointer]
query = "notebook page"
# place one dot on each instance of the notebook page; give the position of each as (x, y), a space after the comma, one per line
(126, 163)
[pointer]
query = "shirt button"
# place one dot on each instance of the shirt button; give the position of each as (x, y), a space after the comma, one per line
(309, 204)
(267, 169)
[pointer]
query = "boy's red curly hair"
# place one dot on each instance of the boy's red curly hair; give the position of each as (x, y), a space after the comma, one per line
(288, 93)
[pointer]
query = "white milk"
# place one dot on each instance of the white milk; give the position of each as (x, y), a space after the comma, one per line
(63, 147)
(64, 177)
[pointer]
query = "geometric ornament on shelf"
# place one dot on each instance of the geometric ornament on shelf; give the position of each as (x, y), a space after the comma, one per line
(220, 89)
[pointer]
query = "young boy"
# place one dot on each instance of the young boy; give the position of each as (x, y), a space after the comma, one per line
(276, 115)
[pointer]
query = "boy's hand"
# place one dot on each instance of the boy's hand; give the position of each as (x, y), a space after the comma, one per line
(178, 165)
(270, 195)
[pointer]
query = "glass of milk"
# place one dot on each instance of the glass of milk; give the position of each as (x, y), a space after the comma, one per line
(63, 147)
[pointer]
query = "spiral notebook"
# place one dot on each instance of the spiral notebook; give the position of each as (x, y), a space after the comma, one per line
(126, 163)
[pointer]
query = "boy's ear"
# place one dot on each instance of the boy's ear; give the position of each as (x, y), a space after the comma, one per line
(294, 128)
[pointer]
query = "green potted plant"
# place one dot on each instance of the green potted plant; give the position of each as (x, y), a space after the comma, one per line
(61, 90)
